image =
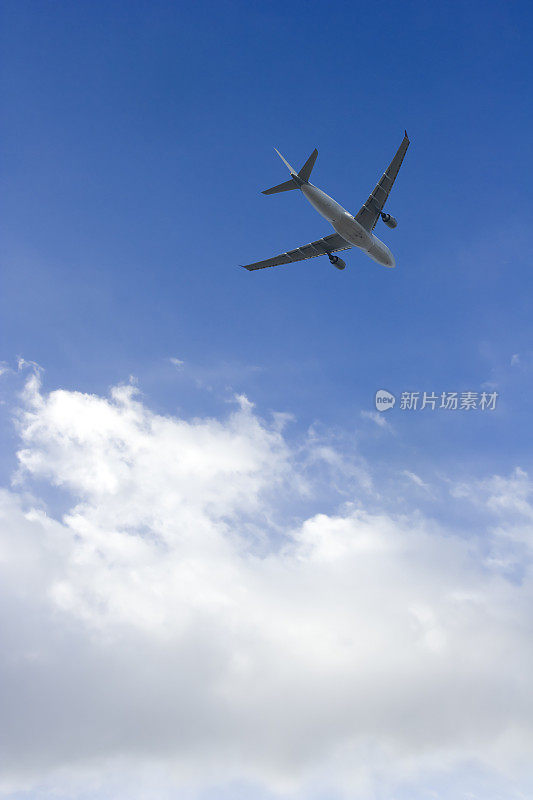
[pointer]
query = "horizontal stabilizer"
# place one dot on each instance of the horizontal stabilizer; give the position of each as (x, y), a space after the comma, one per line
(282, 187)
(305, 172)
(297, 178)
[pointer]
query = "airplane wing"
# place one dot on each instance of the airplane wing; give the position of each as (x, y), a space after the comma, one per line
(368, 215)
(329, 244)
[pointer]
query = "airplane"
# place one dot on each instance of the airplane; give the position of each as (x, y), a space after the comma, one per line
(350, 231)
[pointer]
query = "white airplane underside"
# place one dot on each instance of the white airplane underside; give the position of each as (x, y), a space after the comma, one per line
(350, 231)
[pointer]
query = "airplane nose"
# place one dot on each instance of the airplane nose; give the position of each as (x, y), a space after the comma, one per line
(386, 258)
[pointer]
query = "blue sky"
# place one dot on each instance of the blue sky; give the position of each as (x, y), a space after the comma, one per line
(137, 138)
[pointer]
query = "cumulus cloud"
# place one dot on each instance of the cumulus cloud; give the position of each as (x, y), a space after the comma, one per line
(181, 626)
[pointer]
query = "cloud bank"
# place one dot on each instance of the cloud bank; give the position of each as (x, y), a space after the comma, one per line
(184, 628)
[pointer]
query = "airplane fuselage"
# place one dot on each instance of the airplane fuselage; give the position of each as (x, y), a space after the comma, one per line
(347, 226)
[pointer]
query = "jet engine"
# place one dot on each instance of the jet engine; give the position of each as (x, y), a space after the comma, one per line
(336, 261)
(389, 220)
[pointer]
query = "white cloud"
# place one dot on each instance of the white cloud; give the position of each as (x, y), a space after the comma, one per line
(22, 364)
(416, 479)
(509, 500)
(378, 418)
(177, 362)
(180, 629)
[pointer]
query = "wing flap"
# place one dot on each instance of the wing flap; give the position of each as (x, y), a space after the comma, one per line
(368, 215)
(328, 244)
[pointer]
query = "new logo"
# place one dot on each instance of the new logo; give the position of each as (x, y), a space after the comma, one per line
(384, 400)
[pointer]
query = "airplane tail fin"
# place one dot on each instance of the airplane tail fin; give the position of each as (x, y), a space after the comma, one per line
(297, 178)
